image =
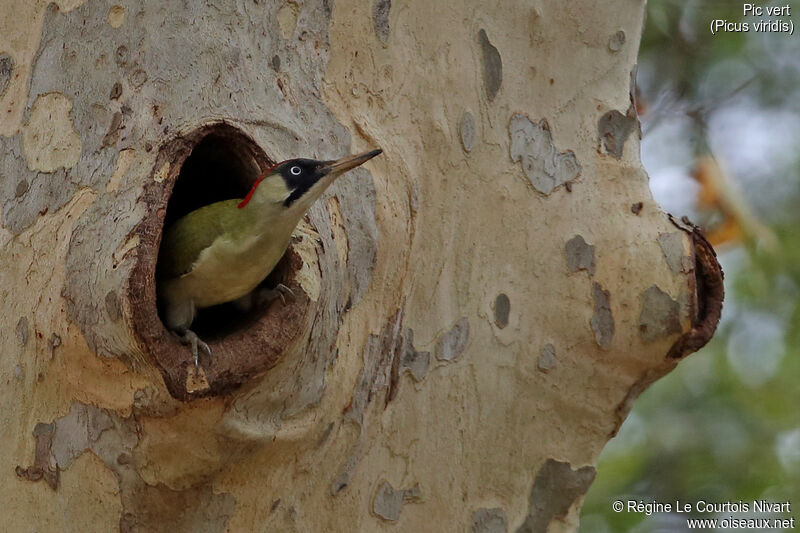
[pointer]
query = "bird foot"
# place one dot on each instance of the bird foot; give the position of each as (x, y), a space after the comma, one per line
(190, 337)
(280, 291)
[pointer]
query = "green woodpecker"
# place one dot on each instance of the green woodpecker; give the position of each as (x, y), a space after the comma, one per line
(221, 252)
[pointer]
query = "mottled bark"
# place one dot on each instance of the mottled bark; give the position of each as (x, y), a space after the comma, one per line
(476, 309)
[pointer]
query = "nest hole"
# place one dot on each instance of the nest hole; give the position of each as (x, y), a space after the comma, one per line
(215, 323)
(223, 165)
(212, 163)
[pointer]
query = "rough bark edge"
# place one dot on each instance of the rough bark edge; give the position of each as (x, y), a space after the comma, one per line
(707, 291)
(237, 357)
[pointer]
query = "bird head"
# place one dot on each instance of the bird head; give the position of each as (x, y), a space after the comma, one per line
(298, 182)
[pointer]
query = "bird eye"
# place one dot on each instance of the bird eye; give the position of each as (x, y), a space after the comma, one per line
(295, 171)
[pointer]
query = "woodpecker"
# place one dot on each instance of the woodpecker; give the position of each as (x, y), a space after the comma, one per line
(221, 252)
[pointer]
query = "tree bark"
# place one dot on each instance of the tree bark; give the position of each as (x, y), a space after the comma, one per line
(475, 310)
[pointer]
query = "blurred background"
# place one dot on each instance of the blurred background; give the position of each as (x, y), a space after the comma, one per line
(721, 142)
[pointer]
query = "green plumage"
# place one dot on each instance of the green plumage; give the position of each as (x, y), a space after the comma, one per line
(221, 252)
(195, 232)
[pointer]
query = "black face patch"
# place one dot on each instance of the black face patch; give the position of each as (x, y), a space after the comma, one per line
(299, 175)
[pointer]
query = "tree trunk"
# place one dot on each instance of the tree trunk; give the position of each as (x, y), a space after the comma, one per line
(475, 310)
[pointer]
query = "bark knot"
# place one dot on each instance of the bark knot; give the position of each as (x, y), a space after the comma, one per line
(708, 290)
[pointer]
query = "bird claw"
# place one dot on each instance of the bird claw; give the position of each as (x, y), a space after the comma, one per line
(284, 292)
(190, 337)
(280, 291)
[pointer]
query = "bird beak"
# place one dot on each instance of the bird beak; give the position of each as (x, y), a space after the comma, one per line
(344, 164)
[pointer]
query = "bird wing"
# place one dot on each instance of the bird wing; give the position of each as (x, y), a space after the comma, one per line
(186, 239)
